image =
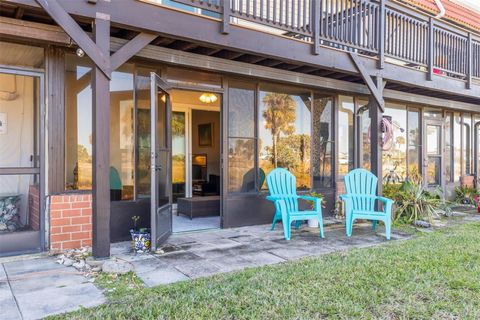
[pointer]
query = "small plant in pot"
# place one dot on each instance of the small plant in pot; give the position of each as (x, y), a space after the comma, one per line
(141, 238)
(313, 223)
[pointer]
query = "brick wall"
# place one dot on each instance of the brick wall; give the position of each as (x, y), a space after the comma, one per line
(34, 207)
(70, 221)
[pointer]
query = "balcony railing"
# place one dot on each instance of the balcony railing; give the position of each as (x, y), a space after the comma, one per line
(377, 28)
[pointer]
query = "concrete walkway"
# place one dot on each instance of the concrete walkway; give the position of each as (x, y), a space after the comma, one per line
(36, 288)
(192, 255)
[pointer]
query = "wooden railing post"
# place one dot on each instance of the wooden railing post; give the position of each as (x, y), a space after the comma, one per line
(381, 35)
(225, 28)
(431, 48)
(315, 18)
(469, 61)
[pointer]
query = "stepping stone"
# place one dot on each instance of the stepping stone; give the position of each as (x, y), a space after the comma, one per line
(163, 275)
(42, 303)
(16, 268)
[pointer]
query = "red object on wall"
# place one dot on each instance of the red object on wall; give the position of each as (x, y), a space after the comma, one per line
(70, 221)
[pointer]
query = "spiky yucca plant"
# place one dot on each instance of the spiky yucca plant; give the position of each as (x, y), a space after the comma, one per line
(416, 203)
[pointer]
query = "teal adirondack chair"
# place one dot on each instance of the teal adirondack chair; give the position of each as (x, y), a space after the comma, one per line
(282, 188)
(360, 200)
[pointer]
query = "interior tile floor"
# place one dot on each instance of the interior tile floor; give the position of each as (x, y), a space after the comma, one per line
(183, 223)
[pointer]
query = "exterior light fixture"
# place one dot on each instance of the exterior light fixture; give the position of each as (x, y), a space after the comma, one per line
(208, 98)
(80, 53)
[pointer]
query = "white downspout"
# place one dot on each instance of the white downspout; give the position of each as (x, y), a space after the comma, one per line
(442, 9)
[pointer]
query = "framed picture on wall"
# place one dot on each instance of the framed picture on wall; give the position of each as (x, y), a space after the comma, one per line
(205, 135)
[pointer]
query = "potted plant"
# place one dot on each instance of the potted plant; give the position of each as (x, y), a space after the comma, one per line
(313, 223)
(141, 238)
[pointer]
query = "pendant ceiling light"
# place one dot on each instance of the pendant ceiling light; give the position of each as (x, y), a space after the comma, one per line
(208, 98)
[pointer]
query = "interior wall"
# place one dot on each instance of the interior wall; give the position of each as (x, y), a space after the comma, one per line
(213, 152)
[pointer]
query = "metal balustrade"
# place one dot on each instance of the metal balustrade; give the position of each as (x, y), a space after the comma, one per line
(356, 25)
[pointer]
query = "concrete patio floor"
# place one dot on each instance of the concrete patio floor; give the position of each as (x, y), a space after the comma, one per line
(33, 288)
(36, 288)
(199, 254)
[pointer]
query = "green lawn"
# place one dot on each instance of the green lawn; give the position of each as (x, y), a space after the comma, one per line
(435, 275)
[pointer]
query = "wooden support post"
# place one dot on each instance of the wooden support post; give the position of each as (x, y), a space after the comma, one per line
(225, 26)
(376, 117)
(431, 48)
(101, 145)
(381, 36)
(55, 64)
(469, 61)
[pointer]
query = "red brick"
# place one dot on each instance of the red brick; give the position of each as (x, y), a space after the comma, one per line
(82, 204)
(71, 213)
(86, 212)
(57, 199)
(60, 222)
(81, 220)
(71, 244)
(56, 246)
(87, 227)
(60, 206)
(68, 229)
(80, 235)
(86, 242)
(55, 230)
(55, 214)
(60, 237)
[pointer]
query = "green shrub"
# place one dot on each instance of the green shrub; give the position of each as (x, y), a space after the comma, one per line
(465, 195)
(392, 190)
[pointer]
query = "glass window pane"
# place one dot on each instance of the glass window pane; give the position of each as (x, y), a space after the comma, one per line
(433, 140)
(345, 144)
(122, 164)
(322, 141)
(433, 113)
(394, 155)
(365, 144)
(19, 121)
(78, 123)
(241, 161)
(477, 154)
(241, 110)
(188, 77)
(284, 135)
(178, 154)
(142, 100)
(467, 143)
(457, 145)
(448, 147)
(434, 171)
(413, 142)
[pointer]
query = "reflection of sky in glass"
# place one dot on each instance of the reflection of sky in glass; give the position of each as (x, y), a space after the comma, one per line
(121, 81)
(84, 118)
